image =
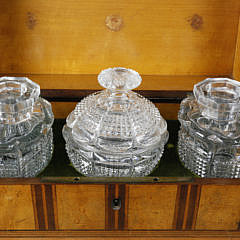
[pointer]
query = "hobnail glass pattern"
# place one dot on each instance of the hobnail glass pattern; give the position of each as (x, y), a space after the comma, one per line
(209, 138)
(115, 132)
(26, 139)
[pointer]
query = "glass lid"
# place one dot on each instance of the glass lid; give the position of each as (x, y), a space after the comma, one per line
(17, 98)
(117, 119)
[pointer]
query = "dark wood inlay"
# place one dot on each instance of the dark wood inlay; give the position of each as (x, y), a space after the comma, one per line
(39, 207)
(180, 206)
(50, 207)
(193, 206)
(110, 214)
(72, 95)
(122, 211)
(34, 206)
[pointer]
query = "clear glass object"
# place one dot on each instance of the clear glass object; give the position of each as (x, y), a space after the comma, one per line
(115, 132)
(209, 137)
(26, 140)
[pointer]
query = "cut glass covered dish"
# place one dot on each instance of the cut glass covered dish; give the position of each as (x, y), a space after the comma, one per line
(115, 132)
(209, 138)
(26, 141)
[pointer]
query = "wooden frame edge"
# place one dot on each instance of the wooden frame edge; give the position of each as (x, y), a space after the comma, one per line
(236, 60)
(137, 180)
(122, 234)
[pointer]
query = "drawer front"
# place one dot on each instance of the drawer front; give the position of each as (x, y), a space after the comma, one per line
(163, 206)
(80, 206)
(151, 207)
(219, 208)
(16, 212)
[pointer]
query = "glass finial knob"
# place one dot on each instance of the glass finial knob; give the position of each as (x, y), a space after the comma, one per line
(119, 78)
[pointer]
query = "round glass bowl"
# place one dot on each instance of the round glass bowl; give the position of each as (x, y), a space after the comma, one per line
(26, 140)
(115, 132)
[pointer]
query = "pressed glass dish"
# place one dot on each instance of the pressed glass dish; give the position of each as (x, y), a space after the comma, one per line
(26, 141)
(209, 138)
(115, 132)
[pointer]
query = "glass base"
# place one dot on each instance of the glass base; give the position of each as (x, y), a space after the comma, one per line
(113, 166)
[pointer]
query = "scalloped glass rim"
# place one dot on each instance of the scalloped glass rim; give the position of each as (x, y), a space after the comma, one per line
(29, 92)
(231, 104)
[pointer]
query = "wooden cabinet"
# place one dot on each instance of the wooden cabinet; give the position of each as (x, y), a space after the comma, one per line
(63, 45)
(164, 210)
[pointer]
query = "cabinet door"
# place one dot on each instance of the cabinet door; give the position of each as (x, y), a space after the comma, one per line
(151, 206)
(219, 208)
(80, 206)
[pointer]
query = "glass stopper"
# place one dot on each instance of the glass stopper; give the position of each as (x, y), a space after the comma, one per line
(119, 78)
(219, 98)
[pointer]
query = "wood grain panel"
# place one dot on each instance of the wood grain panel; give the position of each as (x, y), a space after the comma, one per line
(236, 66)
(169, 111)
(81, 206)
(62, 109)
(219, 208)
(156, 37)
(151, 206)
(89, 81)
(16, 211)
